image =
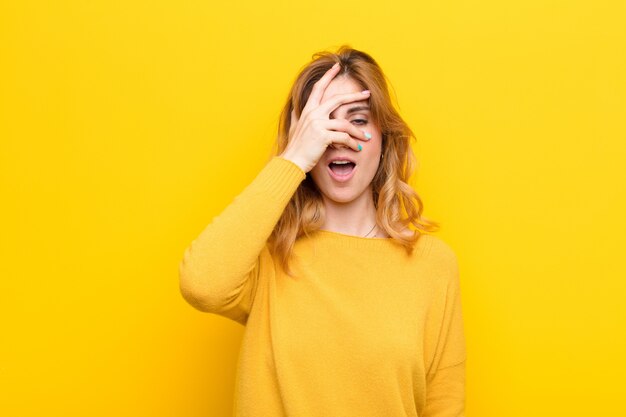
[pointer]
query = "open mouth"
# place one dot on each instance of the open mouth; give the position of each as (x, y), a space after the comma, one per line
(341, 171)
(341, 168)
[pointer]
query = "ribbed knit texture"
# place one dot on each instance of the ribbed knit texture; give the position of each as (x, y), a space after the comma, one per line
(362, 330)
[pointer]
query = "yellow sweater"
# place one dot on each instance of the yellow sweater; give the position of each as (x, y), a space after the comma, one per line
(363, 330)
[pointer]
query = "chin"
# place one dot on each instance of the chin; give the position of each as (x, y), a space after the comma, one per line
(345, 195)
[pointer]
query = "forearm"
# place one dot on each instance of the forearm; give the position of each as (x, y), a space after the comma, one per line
(216, 265)
(445, 392)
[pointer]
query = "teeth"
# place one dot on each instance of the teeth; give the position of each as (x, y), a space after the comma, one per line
(340, 162)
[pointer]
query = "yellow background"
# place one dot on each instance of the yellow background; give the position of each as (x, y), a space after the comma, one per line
(126, 126)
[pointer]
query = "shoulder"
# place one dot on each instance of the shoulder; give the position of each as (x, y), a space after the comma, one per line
(436, 249)
(440, 258)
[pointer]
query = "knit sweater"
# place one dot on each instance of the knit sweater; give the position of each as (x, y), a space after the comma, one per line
(362, 330)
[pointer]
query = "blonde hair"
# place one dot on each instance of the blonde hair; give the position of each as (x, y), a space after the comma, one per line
(397, 204)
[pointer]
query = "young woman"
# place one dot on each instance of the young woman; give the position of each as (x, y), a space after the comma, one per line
(348, 311)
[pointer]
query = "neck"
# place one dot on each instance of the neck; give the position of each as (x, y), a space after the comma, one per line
(354, 218)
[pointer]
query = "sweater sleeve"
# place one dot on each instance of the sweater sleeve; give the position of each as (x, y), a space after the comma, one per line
(220, 268)
(445, 387)
(445, 392)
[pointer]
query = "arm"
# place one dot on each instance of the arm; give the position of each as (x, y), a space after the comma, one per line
(220, 268)
(445, 392)
(445, 387)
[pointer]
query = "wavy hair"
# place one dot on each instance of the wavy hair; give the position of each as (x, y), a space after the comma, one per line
(397, 204)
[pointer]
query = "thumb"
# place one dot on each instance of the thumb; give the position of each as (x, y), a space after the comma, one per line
(293, 122)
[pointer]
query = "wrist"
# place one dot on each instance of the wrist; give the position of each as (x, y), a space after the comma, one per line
(288, 157)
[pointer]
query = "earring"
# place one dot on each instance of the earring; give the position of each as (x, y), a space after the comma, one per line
(381, 155)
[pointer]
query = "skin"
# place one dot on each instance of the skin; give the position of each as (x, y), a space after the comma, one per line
(350, 205)
(326, 129)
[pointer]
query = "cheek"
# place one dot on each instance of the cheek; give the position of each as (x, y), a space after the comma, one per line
(317, 173)
(377, 136)
(374, 145)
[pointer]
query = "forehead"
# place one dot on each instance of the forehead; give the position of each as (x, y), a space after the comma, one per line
(340, 85)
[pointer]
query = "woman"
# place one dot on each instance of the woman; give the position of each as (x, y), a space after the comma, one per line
(347, 311)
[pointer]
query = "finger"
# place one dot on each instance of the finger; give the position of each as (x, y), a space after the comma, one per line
(344, 139)
(327, 107)
(344, 125)
(320, 86)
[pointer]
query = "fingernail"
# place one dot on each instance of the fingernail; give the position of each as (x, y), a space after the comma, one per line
(360, 147)
(368, 135)
(365, 92)
(335, 66)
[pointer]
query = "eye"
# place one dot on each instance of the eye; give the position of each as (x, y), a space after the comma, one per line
(360, 121)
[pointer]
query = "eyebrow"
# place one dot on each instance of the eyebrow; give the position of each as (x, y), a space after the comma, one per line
(355, 109)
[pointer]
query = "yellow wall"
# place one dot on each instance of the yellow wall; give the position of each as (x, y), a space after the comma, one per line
(126, 126)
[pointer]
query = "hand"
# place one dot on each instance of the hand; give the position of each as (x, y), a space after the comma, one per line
(310, 135)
